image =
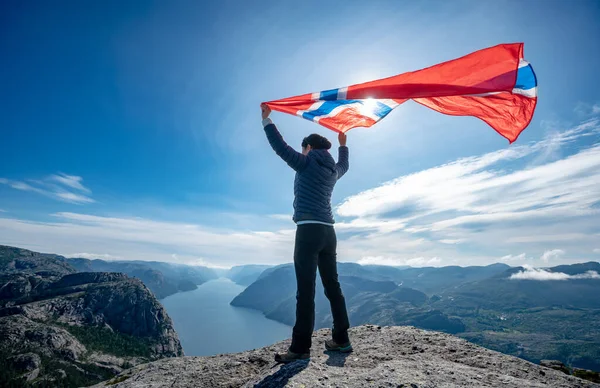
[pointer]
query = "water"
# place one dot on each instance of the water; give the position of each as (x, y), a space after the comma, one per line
(208, 325)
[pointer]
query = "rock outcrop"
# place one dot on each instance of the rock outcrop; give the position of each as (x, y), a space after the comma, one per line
(62, 328)
(390, 356)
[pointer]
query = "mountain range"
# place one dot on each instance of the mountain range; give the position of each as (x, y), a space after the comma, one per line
(551, 313)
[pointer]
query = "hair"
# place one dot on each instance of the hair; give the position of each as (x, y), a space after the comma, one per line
(317, 142)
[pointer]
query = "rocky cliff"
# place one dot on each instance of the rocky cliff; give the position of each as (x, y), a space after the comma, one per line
(391, 356)
(61, 328)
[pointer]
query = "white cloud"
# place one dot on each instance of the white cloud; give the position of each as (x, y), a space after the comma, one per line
(74, 198)
(144, 239)
(530, 273)
(55, 186)
(461, 185)
(548, 237)
(499, 200)
(91, 256)
(520, 257)
(281, 217)
(451, 241)
(584, 109)
(71, 181)
(553, 254)
(597, 250)
(2, 211)
(397, 262)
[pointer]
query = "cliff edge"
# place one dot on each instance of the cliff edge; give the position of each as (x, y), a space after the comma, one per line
(391, 356)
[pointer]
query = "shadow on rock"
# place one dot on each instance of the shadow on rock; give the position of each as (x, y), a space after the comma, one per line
(281, 377)
(336, 359)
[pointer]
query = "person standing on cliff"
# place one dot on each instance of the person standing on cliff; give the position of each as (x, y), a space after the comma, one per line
(316, 242)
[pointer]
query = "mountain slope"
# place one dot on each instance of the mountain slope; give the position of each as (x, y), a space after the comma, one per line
(383, 357)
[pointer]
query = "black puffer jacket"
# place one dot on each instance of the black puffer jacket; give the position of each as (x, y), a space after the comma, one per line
(316, 176)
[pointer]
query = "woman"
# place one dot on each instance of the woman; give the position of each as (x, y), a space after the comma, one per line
(316, 243)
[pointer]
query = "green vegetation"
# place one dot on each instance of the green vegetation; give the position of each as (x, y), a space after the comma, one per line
(8, 372)
(110, 342)
(569, 335)
(587, 375)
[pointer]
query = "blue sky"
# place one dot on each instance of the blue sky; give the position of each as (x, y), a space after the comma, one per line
(132, 130)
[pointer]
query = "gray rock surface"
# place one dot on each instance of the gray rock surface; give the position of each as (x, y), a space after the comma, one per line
(391, 356)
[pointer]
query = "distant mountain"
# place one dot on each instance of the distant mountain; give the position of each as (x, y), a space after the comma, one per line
(368, 300)
(501, 292)
(13, 260)
(430, 280)
(163, 279)
(59, 327)
(434, 280)
(245, 275)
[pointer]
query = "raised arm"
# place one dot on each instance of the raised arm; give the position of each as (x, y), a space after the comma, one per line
(293, 158)
(343, 164)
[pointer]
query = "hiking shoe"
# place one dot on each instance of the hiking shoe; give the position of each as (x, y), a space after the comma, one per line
(333, 346)
(291, 357)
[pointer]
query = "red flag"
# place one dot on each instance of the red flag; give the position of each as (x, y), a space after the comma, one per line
(495, 85)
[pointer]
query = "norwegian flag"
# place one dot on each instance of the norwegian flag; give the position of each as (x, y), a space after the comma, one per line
(495, 84)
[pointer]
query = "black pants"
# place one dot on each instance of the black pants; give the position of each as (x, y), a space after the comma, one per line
(316, 247)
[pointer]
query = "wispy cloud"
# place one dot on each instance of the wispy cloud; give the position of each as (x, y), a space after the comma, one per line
(71, 181)
(584, 109)
(91, 256)
(58, 187)
(519, 195)
(597, 250)
(460, 185)
(451, 241)
(145, 239)
(521, 257)
(397, 262)
(553, 254)
(530, 273)
(281, 217)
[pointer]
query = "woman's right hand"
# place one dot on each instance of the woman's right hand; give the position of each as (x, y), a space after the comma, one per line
(266, 111)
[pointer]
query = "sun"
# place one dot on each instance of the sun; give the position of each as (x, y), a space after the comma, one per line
(368, 107)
